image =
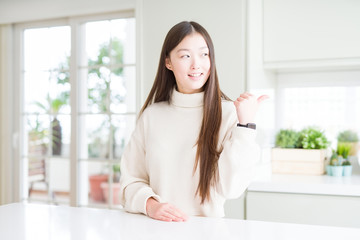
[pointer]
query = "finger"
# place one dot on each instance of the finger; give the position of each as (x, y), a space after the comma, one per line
(262, 98)
(248, 94)
(245, 96)
(240, 99)
(166, 219)
(165, 216)
(177, 213)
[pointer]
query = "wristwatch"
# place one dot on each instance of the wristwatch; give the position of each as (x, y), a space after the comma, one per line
(248, 125)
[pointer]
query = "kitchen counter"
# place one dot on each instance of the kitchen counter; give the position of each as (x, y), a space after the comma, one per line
(33, 221)
(320, 185)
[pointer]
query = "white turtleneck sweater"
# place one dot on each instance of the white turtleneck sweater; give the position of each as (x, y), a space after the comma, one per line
(159, 160)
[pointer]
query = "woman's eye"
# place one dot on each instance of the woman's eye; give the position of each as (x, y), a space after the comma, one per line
(185, 56)
(205, 54)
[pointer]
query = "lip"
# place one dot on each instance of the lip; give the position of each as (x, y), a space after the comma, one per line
(195, 75)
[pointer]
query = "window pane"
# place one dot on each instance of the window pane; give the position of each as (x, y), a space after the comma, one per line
(60, 135)
(40, 52)
(36, 90)
(46, 116)
(59, 92)
(98, 90)
(96, 139)
(97, 42)
(123, 90)
(36, 139)
(92, 175)
(331, 108)
(123, 38)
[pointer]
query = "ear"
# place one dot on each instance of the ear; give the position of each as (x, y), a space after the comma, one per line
(168, 64)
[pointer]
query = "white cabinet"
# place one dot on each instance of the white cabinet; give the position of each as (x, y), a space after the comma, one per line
(303, 34)
(235, 208)
(330, 210)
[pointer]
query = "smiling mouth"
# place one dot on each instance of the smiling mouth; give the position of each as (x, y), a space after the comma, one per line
(195, 74)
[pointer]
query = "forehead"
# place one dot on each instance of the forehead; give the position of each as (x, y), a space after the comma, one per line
(193, 41)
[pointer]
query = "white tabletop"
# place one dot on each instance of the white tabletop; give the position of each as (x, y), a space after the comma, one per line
(34, 221)
(304, 184)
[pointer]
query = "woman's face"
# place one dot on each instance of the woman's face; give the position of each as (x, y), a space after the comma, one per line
(190, 63)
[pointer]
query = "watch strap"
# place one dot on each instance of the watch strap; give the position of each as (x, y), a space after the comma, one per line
(248, 125)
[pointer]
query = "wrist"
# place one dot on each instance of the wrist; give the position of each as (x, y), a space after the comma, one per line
(150, 202)
(247, 125)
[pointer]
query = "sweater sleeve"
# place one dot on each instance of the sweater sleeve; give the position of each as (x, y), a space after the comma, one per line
(134, 181)
(237, 161)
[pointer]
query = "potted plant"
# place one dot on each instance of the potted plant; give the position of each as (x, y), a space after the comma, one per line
(334, 168)
(343, 150)
(351, 138)
(301, 152)
(96, 192)
(115, 185)
(287, 138)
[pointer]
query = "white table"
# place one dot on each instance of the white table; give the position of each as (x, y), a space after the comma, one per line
(35, 221)
(318, 185)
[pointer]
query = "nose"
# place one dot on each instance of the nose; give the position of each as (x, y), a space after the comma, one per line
(195, 63)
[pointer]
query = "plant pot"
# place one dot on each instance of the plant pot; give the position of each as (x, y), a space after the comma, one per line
(96, 192)
(115, 190)
(347, 170)
(298, 161)
(328, 170)
(337, 171)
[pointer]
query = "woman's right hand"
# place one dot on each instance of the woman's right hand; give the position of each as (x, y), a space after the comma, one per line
(164, 211)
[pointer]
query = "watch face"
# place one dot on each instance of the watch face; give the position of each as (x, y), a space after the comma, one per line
(251, 125)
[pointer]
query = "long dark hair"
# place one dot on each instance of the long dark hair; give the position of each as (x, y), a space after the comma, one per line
(207, 154)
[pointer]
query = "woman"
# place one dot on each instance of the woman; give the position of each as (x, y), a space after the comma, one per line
(191, 148)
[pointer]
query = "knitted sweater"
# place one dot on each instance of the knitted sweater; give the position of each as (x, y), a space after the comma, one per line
(159, 160)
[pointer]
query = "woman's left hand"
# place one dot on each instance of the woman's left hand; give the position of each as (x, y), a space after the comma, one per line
(246, 107)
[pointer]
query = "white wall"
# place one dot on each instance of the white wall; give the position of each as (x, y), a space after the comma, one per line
(311, 30)
(6, 120)
(222, 19)
(12, 11)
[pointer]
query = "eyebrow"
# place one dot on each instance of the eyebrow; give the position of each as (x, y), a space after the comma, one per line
(185, 49)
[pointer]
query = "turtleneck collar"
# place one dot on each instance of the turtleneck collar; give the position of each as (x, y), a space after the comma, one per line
(187, 100)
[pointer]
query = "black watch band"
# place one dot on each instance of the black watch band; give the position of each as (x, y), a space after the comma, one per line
(248, 125)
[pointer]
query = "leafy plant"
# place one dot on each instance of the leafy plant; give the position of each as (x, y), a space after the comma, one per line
(109, 53)
(287, 138)
(312, 138)
(343, 149)
(346, 163)
(347, 136)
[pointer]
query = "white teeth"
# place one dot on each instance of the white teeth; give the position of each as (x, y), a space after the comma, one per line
(195, 75)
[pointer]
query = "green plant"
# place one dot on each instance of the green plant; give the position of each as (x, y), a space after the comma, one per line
(116, 171)
(346, 163)
(312, 138)
(334, 159)
(343, 149)
(287, 138)
(99, 93)
(347, 136)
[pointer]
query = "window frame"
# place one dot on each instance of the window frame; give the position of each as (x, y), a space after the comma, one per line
(77, 37)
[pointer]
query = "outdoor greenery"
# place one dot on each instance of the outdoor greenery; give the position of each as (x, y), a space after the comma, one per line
(99, 95)
(109, 53)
